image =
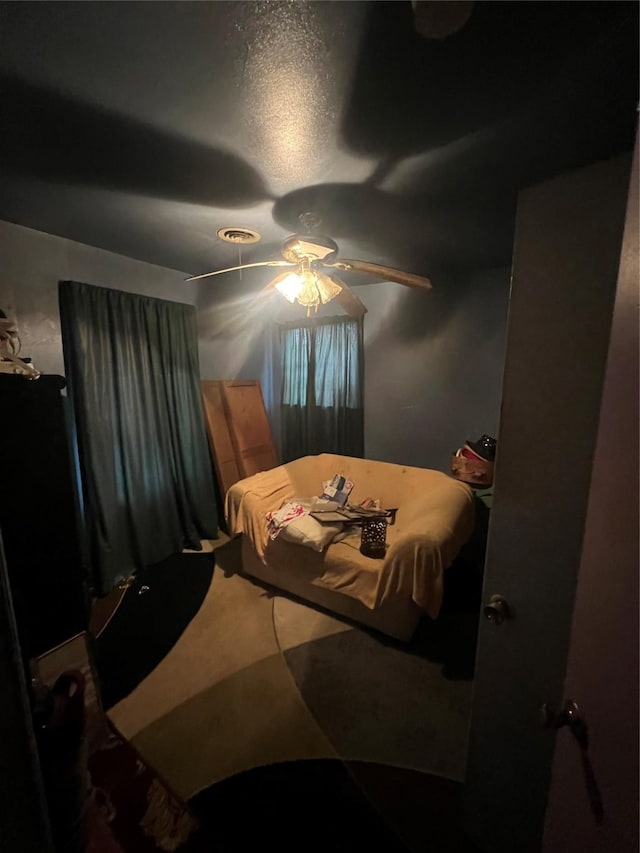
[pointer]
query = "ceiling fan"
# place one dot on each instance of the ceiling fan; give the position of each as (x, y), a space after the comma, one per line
(310, 281)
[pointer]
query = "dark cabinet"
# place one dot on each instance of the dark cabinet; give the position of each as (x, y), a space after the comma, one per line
(39, 513)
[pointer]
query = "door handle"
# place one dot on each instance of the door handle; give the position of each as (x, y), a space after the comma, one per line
(497, 610)
(569, 715)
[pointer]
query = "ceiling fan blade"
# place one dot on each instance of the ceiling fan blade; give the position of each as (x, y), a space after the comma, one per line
(242, 267)
(385, 273)
(347, 299)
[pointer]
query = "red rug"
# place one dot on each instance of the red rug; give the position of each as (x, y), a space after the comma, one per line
(131, 810)
(102, 796)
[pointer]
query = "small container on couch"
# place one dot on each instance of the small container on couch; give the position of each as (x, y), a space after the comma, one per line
(373, 539)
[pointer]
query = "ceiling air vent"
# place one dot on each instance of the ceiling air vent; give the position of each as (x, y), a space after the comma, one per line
(239, 236)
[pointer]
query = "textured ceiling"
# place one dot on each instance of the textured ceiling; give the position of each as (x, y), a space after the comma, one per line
(144, 127)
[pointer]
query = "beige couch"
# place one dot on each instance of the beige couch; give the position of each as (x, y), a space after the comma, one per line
(435, 517)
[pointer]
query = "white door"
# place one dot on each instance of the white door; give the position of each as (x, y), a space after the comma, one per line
(565, 269)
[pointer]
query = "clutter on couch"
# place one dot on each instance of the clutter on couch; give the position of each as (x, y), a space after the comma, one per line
(316, 522)
(473, 463)
(337, 489)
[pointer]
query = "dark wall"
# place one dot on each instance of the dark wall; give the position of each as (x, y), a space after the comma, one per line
(434, 364)
(32, 264)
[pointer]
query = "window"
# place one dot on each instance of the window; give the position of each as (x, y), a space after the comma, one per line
(322, 407)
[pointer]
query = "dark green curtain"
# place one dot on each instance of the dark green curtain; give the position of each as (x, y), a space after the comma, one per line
(133, 376)
(322, 407)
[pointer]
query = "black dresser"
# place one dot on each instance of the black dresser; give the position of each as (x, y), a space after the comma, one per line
(39, 513)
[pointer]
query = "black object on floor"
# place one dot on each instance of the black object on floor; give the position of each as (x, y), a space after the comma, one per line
(150, 619)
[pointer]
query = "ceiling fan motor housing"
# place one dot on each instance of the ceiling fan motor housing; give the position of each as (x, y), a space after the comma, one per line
(300, 247)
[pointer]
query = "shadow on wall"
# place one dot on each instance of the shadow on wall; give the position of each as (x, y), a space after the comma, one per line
(434, 365)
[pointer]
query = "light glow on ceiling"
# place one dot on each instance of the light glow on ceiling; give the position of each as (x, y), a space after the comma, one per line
(287, 92)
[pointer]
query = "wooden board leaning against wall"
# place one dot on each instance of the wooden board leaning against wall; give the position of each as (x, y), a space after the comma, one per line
(238, 429)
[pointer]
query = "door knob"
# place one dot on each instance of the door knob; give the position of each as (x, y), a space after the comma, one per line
(497, 610)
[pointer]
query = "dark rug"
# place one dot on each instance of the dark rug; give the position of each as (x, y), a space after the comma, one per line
(151, 617)
(313, 806)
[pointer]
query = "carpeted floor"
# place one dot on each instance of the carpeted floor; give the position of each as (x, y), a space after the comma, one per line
(267, 702)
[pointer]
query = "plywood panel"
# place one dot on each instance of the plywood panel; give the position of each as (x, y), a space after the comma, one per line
(222, 449)
(249, 427)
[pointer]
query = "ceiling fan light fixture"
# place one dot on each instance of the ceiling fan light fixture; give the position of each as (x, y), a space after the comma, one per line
(307, 287)
(309, 293)
(305, 255)
(288, 285)
(327, 288)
